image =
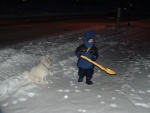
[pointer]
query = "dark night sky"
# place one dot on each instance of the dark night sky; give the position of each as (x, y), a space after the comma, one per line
(71, 6)
(103, 3)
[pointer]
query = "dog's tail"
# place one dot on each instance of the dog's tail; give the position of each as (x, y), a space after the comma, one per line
(25, 74)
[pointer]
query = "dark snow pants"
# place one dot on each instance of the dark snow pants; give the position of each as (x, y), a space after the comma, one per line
(86, 72)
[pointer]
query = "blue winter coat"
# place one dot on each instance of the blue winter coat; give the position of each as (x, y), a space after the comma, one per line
(83, 50)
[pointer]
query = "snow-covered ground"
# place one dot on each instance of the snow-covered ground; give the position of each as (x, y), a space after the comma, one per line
(120, 49)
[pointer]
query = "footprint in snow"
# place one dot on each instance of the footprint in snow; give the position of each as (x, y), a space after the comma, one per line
(113, 105)
(82, 110)
(141, 92)
(148, 91)
(22, 99)
(31, 94)
(102, 102)
(112, 50)
(68, 73)
(66, 96)
(6, 104)
(15, 102)
(66, 91)
(99, 96)
(87, 90)
(76, 87)
(145, 105)
(113, 98)
(71, 83)
(72, 68)
(77, 91)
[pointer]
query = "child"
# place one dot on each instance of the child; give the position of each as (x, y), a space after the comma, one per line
(89, 50)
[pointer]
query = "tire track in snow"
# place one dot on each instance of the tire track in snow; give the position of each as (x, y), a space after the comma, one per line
(109, 40)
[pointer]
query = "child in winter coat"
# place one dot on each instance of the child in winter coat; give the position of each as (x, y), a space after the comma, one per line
(89, 50)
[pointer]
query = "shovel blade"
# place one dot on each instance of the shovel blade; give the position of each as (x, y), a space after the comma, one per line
(111, 72)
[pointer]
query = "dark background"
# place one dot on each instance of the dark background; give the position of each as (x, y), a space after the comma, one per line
(22, 20)
(66, 8)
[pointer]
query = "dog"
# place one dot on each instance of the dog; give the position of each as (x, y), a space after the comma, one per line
(39, 73)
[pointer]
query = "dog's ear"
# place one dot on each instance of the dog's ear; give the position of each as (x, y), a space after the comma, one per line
(43, 58)
(47, 56)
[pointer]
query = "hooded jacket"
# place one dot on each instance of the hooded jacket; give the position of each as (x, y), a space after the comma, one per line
(87, 49)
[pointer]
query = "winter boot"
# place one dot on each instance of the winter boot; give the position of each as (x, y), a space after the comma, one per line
(89, 82)
(80, 79)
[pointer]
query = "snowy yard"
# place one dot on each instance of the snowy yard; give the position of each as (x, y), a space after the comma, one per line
(124, 50)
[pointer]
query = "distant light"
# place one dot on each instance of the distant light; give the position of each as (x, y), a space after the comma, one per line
(24, 0)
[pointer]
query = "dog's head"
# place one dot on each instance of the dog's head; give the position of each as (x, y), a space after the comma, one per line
(46, 62)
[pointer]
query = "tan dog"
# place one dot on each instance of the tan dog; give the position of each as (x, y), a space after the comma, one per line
(39, 73)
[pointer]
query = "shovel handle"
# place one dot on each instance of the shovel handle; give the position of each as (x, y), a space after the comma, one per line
(101, 67)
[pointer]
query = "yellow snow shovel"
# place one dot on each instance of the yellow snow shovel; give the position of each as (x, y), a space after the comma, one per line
(101, 67)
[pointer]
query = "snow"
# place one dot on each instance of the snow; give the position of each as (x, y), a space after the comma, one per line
(122, 50)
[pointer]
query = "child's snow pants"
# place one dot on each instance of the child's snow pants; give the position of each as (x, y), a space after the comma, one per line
(85, 72)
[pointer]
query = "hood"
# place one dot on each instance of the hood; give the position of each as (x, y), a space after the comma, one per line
(89, 35)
